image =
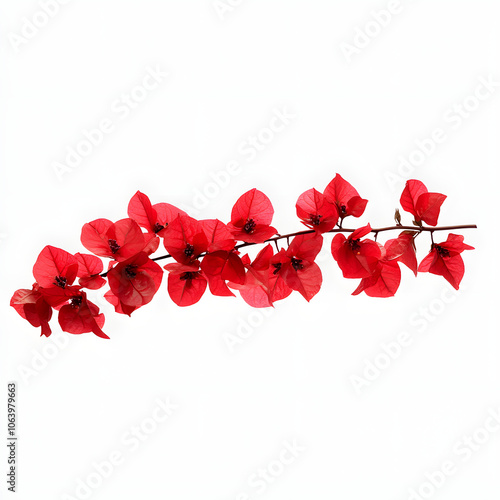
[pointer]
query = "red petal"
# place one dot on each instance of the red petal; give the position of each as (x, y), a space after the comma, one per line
(455, 244)
(428, 206)
(356, 206)
(88, 265)
(180, 233)
(402, 249)
(252, 205)
(119, 307)
(31, 306)
(359, 263)
(412, 191)
(141, 210)
(384, 283)
(227, 265)
(360, 232)
(316, 211)
(306, 281)
(343, 194)
(218, 235)
(167, 213)
(94, 237)
(82, 319)
(451, 268)
(136, 281)
(255, 296)
(128, 235)
(186, 292)
(54, 263)
(305, 246)
(260, 233)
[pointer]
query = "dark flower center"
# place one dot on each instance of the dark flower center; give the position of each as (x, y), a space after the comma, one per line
(249, 227)
(315, 219)
(354, 244)
(113, 246)
(158, 227)
(187, 276)
(297, 263)
(444, 252)
(277, 268)
(76, 301)
(189, 250)
(343, 209)
(60, 281)
(131, 271)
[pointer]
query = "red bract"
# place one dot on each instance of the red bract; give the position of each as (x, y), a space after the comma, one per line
(445, 260)
(31, 306)
(251, 217)
(218, 235)
(153, 218)
(119, 241)
(384, 282)
(185, 240)
(424, 206)
(222, 266)
(274, 288)
(89, 268)
(134, 283)
(356, 258)
(55, 267)
(317, 211)
(345, 197)
(402, 249)
(256, 290)
(81, 316)
(186, 283)
(297, 267)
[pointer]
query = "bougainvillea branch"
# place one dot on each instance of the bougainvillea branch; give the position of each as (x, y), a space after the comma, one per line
(206, 253)
(344, 230)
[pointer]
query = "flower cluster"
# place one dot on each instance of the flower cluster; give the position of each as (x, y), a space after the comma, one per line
(207, 253)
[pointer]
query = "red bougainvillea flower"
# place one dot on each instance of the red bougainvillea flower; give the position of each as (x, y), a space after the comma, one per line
(119, 241)
(317, 211)
(445, 260)
(185, 239)
(251, 217)
(356, 258)
(133, 283)
(186, 283)
(297, 267)
(402, 249)
(263, 284)
(55, 267)
(385, 279)
(81, 316)
(345, 197)
(31, 305)
(153, 218)
(424, 206)
(89, 268)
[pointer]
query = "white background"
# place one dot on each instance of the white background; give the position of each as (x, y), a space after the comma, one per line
(291, 375)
